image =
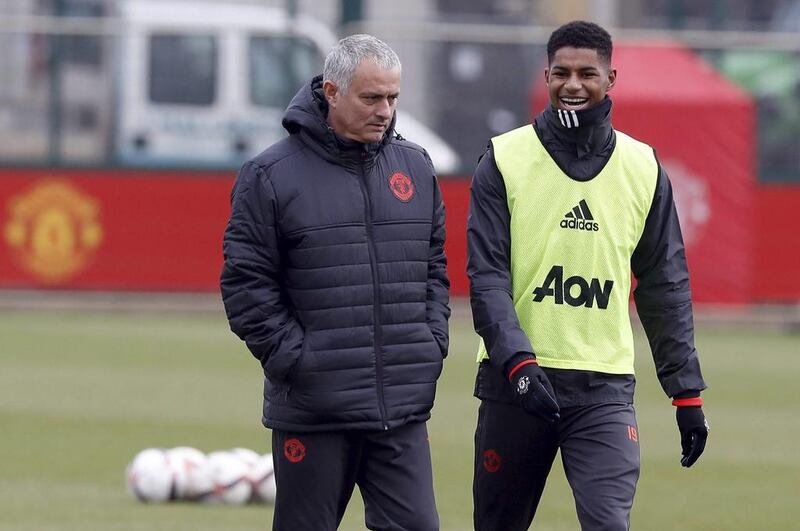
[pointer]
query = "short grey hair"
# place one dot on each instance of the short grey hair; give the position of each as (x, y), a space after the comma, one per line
(348, 53)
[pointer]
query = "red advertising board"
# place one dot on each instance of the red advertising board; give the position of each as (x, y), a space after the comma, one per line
(162, 231)
(777, 244)
(137, 230)
(112, 229)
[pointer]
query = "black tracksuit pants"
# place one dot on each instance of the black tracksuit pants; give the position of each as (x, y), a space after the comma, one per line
(514, 452)
(316, 472)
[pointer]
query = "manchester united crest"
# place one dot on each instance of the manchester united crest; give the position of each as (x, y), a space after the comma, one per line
(294, 450)
(53, 230)
(401, 186)
(492, 461)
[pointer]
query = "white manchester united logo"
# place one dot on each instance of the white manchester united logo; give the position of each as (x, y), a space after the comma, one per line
(523, 384)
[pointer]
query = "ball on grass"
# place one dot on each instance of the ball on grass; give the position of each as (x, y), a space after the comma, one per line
(262, 477)
(230, 484)
(191, 473)
(149, 476)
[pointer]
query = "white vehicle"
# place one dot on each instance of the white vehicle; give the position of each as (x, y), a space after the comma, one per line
(207, 83)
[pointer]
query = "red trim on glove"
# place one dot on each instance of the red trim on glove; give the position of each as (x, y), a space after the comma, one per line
(687, 402)
(521, 364)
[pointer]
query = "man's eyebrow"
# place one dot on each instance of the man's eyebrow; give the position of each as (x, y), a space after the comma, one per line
(379, 94)
(580, 68)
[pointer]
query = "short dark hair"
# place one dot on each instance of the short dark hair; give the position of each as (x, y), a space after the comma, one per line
(580, 34)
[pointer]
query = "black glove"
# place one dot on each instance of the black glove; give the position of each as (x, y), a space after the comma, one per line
(531, 388)
(694, 428)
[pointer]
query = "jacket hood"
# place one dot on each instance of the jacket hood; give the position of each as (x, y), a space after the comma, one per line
(307, 110)
(306, 116)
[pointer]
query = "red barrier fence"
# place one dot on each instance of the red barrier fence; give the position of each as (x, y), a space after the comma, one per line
(776, 275)
(142, 230)
(112, 229)
(137, 230)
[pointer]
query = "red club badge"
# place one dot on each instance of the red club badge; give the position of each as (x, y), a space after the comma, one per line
(401, 186)
(491, 461)
(294, 450)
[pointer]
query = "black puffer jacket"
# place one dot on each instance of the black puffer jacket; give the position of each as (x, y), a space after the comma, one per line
(335, 275)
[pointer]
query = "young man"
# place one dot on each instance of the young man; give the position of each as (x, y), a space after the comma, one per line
(335, 277)
(561, 211)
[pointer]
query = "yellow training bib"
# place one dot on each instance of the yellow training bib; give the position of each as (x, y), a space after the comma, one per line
(571, 246)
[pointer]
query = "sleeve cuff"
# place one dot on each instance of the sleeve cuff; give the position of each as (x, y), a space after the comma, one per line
(518, 360)
(687, 402)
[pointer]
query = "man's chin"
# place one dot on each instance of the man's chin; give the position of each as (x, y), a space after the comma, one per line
(372, 138)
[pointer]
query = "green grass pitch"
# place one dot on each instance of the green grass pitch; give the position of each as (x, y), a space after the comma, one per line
(82, 392)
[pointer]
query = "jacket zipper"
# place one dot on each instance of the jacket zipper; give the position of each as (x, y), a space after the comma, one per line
(376, 298)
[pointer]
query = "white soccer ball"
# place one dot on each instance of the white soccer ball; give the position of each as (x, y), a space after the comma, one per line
(192, 474)
(149, 476)
(248, 456)
(260, 474)
(230, 484)
(262, 477)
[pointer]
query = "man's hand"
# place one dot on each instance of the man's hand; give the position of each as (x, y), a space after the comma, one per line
(532, 389)
(693, 426)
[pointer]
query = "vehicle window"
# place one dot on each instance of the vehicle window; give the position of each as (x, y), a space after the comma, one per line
(279, 65)
(183, 69)
(82, 49)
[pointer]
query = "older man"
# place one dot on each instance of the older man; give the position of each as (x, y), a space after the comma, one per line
(335, 277)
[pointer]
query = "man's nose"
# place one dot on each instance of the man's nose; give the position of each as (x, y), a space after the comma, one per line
(384, 109)
(573, 82)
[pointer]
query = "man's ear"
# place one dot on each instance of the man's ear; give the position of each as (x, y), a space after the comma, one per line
(612, 78)
(546, 77)
(331, 92)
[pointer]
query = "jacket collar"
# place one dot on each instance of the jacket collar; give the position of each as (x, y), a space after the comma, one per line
(581, 132)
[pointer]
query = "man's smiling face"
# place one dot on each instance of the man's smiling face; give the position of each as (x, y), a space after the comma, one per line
(578, 78)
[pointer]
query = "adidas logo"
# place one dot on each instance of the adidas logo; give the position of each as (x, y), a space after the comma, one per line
(580, 218)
